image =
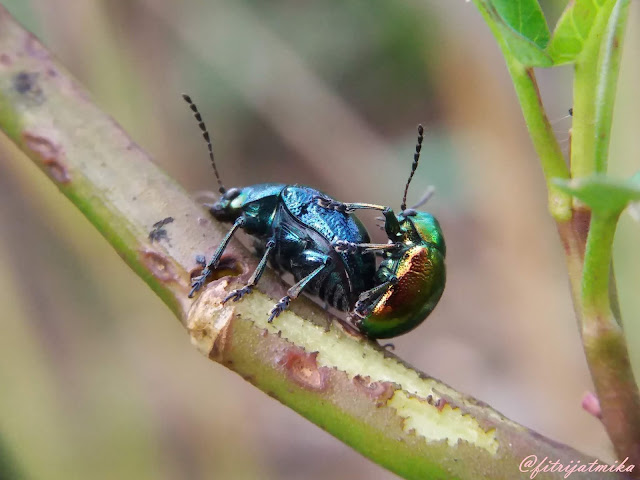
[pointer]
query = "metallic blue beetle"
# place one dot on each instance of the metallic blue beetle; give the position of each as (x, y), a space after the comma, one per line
(298, 233)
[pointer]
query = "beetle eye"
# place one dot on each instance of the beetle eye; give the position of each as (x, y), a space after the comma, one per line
(231, 193)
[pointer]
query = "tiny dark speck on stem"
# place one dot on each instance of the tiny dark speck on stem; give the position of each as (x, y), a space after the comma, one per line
(26, 84)
(24, 81)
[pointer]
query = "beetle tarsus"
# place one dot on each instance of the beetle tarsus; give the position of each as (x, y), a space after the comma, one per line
(198, 282)
(343, 246)
(331, 204)
(238, 294)
(279, 307)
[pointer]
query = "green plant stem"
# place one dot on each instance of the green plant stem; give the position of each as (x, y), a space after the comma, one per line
(605, 345)
(587, 241)
(608, 71)
(594, 87)
(583, 142)
(399, 417)
(597, 262)
(544, 140)
(540, 130)
(595, 82)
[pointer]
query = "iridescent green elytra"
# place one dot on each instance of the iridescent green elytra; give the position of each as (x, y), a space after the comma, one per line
(417, 274)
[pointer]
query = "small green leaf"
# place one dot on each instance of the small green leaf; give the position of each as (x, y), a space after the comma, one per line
(526, 18)
(522, 28)
(605, 195)
(574, 28)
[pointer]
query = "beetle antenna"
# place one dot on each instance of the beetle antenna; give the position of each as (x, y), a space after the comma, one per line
(205, 135)
(416, 158)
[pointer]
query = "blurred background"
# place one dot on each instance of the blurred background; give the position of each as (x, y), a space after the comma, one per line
(325, 93)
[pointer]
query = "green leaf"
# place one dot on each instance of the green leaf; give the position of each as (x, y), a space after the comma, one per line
(574, 28)
(605, 195)
(521, 27)
(526, 18)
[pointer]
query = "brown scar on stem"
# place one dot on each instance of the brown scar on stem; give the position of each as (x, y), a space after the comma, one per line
(381, 392)
(302, 368)
(159, 265)
(50, 154)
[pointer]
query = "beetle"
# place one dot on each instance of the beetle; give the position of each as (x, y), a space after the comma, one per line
(297, 233)
(326, 248)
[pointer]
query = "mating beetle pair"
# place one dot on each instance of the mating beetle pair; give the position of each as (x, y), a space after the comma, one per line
(328, 251)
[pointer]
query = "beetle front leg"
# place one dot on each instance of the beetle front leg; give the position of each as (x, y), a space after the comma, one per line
(391, 224)
(343, 246)
(198, 281)
(331, 204)
(296, 289)
(241, 292)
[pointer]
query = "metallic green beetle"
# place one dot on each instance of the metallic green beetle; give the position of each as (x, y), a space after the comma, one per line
(411, 277)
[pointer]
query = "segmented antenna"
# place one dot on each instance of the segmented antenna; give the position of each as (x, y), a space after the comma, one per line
(416, 158)
(205, 135)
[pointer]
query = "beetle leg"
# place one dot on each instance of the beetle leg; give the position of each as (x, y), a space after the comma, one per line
(367, 300)
(198, 281)
(350, 247)
(296, 289)
(331, 204)
(391, 224)
(241, 292)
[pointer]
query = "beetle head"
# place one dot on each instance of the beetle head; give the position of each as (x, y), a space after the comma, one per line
(229, 206)
(421, 228)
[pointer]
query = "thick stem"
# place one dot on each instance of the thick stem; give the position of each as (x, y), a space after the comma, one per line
(588, 243)
(596, 274)
(605, 345)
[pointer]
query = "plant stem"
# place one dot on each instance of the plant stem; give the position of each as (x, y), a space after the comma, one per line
(544, 140)
(608, 70)
(605, 345)
(540, 130)
(594, 87)
(595, 82)
(587, 240)
(597, 262)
